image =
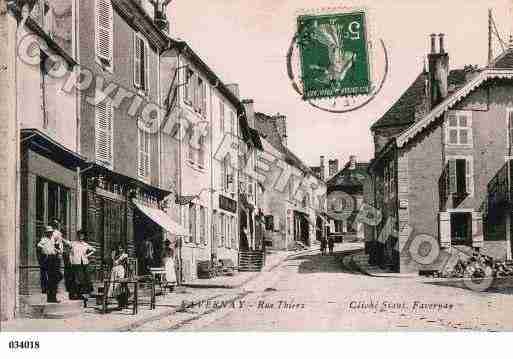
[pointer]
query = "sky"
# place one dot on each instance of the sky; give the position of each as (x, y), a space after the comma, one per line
(246, 42)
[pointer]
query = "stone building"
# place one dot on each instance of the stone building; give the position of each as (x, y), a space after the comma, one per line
(201, 131)
(47, 117)
(120, 44)
(351, 180)
(294, 198)
(436, 150)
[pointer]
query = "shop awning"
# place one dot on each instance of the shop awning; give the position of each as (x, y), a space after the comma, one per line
(162, 219)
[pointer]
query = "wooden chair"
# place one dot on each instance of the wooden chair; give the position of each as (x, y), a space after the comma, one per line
(130, 279)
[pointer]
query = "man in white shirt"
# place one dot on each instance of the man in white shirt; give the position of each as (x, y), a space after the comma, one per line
(51, 250)
(59, 240)
(79, 254)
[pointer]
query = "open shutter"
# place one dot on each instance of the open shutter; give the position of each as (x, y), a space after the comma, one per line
(469, 176)
(445, 229)
(204, 99)
(104, 118)
(137, 61)
(510, 131)
(146, 66)
(103, 31)
(453, 188)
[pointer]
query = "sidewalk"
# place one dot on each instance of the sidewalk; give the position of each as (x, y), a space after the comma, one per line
(240, 278)
(93, 320)
(360, 262)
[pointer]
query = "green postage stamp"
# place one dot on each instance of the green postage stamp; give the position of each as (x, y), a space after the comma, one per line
(334, 55)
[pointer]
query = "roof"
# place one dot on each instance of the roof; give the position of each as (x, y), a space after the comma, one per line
(402, 112)
(267, 128)
(348, 177)
(135, 16)
(43, 144)
(451, 100)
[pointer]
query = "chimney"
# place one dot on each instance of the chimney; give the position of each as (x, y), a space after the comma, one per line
(250, 111)
(438, 71)
(352, 162)
(234, 89)
(322, 167)
(333, 167)
(160, 16)
(281, 124)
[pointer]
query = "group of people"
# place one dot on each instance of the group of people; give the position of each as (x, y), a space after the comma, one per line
(52, 248)
(329, 242)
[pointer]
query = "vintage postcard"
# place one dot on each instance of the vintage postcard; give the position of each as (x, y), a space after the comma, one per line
(225, 165)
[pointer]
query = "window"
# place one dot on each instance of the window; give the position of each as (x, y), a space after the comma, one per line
(104, 132)
(222, 229)
(227, 174)
(460, 176)
(200, 96)
(203, 224)
(144, 154)
(459, 128)
(201, 151)
(234, 231)
(192, 222)
(141, 63)
(104, 32)
(189, 76)
(461, 227)
(228, 237)
(221, 116)
(52, 202)
(232, 122)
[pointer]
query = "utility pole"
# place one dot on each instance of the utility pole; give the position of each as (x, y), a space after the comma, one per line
(9, 165)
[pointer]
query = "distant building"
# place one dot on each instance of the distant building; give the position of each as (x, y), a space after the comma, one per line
(295, 203)
(351, 180)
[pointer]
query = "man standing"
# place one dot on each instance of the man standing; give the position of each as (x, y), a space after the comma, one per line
(57, 235)
(80, 283)
(51, 250)
(148, 255)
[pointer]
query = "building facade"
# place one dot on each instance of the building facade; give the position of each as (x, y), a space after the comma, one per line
(48, 120)
(352, 182)
(294, 196)
(437, 149)
(120, 45)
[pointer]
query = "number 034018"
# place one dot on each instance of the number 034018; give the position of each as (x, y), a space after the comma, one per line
(24, 344)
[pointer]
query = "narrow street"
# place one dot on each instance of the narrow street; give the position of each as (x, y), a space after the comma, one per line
(314, 292)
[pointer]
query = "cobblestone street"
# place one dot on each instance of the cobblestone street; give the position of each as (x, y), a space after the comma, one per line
(314, 292)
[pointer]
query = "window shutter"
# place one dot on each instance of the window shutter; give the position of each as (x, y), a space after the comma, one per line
(146, 66)
(137, 61)
(204, 99)
(452, 177)
(445, 229)
(510, 131)
(221, 115)
(104, 119)
(469, 175)
(104, 29)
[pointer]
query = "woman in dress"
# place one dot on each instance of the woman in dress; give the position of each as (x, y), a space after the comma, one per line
(169, 263)
(116, 289)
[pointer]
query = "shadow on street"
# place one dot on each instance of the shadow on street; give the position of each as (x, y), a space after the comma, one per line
(317, 263)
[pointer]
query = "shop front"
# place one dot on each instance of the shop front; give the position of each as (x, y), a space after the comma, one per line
(114, 214)
(49, 180)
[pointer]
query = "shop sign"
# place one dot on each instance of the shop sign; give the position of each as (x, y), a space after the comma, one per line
(227, 204)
